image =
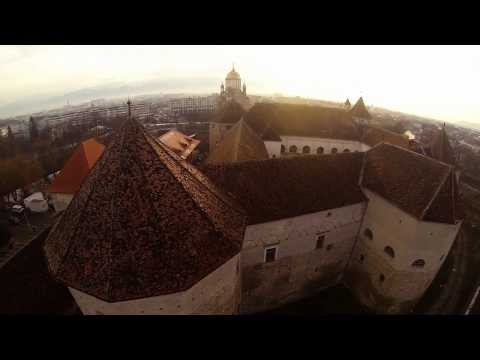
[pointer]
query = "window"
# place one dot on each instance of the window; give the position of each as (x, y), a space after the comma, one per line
(420, 263)
(334, 150)
(361, 259)
(368, 233)
(282, 149)
(381, 278)
(329, 214)
(346, 150)
(329, 247)
(320, 150)
(389, 251)
(306, 150)
(270, 254)
(320, 241)
(293, 149)
(273, 156)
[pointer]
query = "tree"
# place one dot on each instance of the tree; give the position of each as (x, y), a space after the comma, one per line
(33, 129)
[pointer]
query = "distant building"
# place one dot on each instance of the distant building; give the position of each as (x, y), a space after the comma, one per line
(234, 90)
(193, 104)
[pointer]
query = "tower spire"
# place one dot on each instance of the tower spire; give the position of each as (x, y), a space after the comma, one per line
(129, 103)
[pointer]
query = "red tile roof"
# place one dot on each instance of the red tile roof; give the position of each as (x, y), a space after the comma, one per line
(144, 223)
(411, 181)
(303, 120)
(281, 188)
(240, 143)
(77, 167)
(180, 143)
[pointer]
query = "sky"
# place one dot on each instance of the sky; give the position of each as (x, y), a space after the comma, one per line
(440, 82)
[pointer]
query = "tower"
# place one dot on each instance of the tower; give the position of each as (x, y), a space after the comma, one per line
(244, 89)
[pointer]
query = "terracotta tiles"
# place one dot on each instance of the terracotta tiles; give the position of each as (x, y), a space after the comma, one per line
(410, 181)
(144, 223)
(239, 143)
(281, 188)
(180, 143)
(302, 120)
(77, 167)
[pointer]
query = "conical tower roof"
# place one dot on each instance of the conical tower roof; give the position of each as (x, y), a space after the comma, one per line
(144, 223)
(347, 104)
(240, 143)
(440, 147)
(359, 110)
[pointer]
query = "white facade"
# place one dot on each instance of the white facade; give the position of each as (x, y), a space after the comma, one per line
(390, 283)
(274, 148)
(301, 266)
(320, 145)
(194, 104)
(217, 293)
(61, 201)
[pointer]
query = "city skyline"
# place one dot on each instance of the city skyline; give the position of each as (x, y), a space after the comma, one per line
(432, 81)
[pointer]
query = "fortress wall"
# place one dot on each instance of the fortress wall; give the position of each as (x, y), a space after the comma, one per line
(301, 268)
(217, 293)
(410, 239)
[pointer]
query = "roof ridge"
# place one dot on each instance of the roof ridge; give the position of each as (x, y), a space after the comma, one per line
(184, 169)
(435, 194)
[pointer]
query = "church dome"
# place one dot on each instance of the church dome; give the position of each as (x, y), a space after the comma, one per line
(233, 75)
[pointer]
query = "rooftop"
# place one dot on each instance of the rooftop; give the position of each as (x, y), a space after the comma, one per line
(144, 223)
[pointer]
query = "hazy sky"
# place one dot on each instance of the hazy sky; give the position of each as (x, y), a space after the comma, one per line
(434, 81)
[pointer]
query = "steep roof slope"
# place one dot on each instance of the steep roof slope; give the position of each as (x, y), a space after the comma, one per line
(302, 120)
(239, 143)
(411, 181)
(180, 143)
(77, 167)
(440, 147)
(144, 223)
(359, 110)
(374, 135)
(229, 113)
(282, 188)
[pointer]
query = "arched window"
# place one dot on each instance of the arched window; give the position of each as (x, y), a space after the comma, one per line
(389, 251)
(346, 150)
(419, 263)
(320, 150)
(306, 150)
(293, 149)
(282, 149)
(334, 150)
(368, 233)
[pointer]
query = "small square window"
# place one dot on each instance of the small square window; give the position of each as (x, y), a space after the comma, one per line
(320, 241)
(270, 254)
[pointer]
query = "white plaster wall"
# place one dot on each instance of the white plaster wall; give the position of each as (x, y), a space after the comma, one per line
(61, 201)
(315, 143)
(300, 268)
(217, 293)
(411, 239)
(273, 148)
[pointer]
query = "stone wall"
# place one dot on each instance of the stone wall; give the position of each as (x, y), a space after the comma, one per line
(393, 284)
(301, 268)
(217, 293)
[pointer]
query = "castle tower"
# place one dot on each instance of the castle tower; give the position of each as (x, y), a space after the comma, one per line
(410, 223)
(359, 112)
(148, 234)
